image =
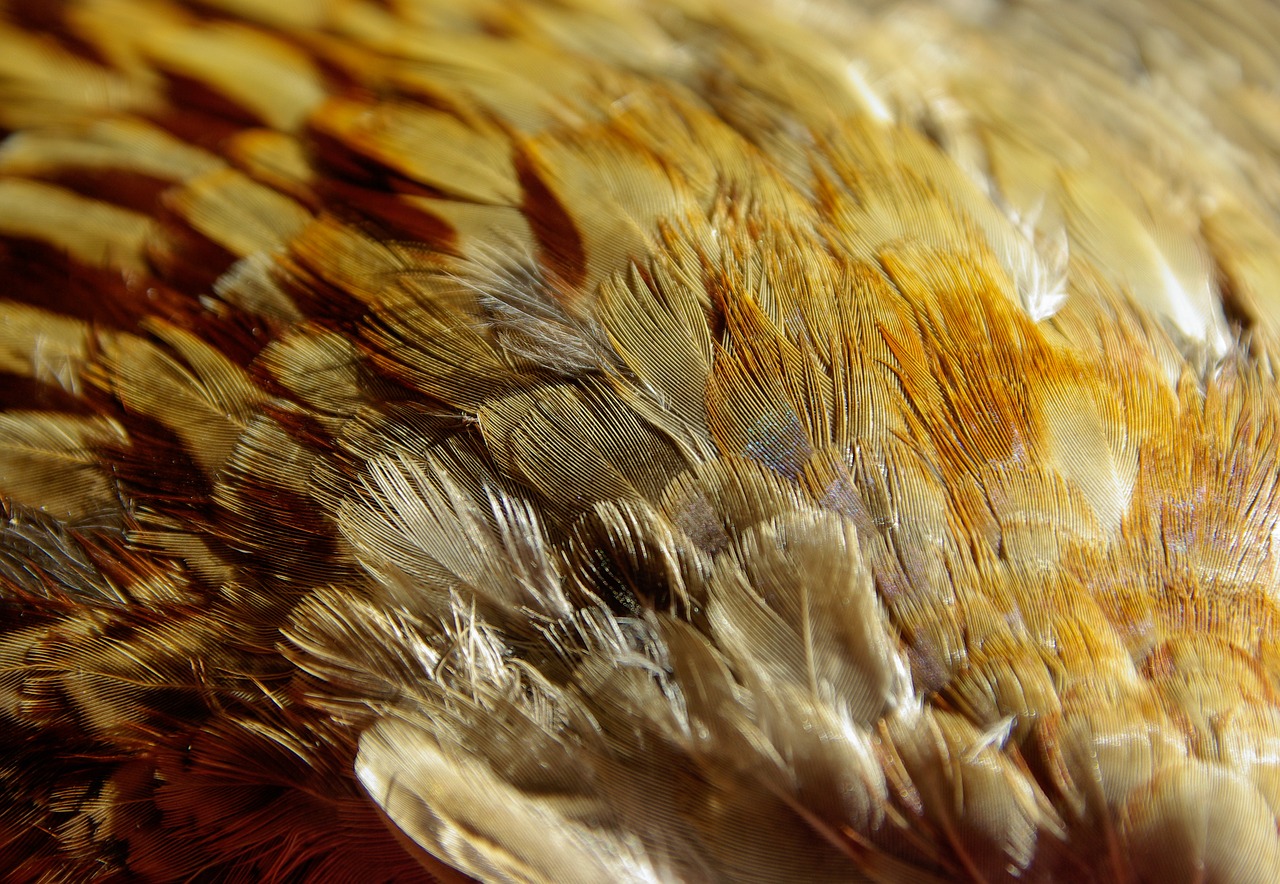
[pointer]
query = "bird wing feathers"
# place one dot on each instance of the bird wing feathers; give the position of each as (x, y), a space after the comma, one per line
(671, 440)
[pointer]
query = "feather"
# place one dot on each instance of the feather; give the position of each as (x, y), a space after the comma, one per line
(50, 463)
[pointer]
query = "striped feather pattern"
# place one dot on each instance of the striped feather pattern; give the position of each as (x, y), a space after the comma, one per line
(657, 440)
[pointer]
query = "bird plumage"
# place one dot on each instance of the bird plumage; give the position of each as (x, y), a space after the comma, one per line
(575, 441)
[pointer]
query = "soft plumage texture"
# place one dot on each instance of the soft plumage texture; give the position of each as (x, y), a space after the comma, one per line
(583, 441)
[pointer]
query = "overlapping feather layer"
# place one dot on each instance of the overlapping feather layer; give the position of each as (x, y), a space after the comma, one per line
(683, 441)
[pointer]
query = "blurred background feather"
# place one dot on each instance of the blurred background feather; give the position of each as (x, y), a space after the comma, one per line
(586, 441)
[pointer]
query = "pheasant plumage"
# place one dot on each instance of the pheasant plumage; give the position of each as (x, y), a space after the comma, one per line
(585, 441)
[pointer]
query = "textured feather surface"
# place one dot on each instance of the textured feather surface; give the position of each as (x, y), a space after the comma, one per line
(541, 441)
